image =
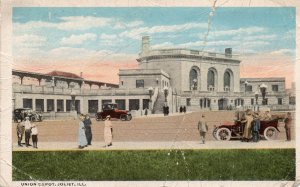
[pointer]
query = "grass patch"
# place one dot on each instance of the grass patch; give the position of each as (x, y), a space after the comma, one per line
(124, 165)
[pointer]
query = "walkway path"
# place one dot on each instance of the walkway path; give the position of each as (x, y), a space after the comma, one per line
(44, 146)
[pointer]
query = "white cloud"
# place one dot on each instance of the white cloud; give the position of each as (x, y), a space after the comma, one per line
(163, 45)
(108, 36)
(284, 51)
(29, 40)
(136, 32)
(240, 31)
(78, 39)
(256, 37)
(83, 22)
(124, 25)
(68, 23)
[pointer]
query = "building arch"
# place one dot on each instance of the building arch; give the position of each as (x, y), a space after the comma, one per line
(212, 79)
(194, 78)
(228, 80)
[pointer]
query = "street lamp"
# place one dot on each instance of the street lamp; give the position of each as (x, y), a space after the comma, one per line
(263, 89)
(150, 100)
(256, 96)
(73, 95)
(246, 83)
(166, 92)
(166, 107)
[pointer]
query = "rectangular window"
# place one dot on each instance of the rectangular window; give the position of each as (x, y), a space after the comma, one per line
(68, 107)
(252, 101)
(249, 88)
(139, 83)
(121, 104)
(105, 101)
(188, 101)
(27, 103)
(134, 104)
(280, 101)
(60, 105)
(92, 106)
(275, 88)
(50, 105)
(39, 105)
(146, 104)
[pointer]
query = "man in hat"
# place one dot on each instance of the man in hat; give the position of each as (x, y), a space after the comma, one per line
(288, 124)
(20, 132)
(34, 135)
(88, 129)
(28, 127)
(108, 130)
(248, 122)
(202, 128)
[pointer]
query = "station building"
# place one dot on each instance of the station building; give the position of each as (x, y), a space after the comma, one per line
(174, 77)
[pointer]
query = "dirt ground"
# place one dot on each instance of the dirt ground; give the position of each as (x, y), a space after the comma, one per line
(181, 127)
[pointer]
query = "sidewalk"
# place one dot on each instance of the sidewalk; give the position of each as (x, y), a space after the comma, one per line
(64, 146)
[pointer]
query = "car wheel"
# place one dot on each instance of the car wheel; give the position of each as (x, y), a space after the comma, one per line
(215, 133)
(128, 117)
(123, 117)
(270, 133)
(223, 134)
(32, 119)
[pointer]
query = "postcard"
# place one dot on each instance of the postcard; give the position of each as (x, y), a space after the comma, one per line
(149, 93)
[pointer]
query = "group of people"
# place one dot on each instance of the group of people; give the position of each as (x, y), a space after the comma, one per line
(182, 109)
(30, 130)
(251, 125)
(85, 131)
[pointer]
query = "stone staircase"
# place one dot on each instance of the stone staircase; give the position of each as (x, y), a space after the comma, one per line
(159, 103)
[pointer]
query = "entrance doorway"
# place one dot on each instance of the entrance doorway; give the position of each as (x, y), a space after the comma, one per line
(222, 103)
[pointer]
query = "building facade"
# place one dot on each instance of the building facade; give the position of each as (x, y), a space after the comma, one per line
(174, 77)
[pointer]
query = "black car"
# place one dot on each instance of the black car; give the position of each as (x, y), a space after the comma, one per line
(112, 110)
(20, 114)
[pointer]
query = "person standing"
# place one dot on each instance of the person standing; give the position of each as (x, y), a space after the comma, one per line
(108, 130)
(88, 129)
(82, 141)
(202, 128)
(287, 125)
(184, 109)
(28, 127)
(248, 121)
(20, 132)
(255, 127)
(34, 135)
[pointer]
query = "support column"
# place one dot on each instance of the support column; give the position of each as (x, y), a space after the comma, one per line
(99, 105)
(33, 104)
(45, 105)
(65, 105)
(55, 105)
(127, 104)
(141, 104)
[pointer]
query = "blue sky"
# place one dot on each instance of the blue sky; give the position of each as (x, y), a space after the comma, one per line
(98, 35)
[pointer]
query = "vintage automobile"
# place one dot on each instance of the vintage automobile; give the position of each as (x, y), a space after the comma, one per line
(227, 130)
(19, 114)
(112, 110)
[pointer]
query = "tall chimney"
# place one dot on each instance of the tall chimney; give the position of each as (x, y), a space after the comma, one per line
(228, 52)
(81, 74)
(145, 44)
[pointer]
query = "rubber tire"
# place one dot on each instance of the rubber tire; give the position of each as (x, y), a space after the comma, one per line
(227, 131)
(214, 133)
(274, 136)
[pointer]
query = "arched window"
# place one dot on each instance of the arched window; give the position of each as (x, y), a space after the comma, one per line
(193, 79)
(226, 81)
(210, 80)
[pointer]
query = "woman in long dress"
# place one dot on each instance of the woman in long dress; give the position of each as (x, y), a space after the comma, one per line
(82, 141)
(107, 131)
